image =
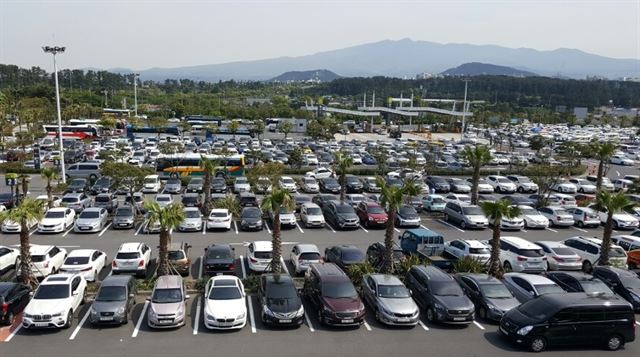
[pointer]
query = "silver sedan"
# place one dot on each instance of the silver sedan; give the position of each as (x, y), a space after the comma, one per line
(390, 299)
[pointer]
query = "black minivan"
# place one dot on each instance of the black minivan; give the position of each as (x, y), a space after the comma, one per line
(570, 319)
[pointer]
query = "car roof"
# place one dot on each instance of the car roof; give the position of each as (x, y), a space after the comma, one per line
(73, 194)
(551, 244)
(308, 248)
(385, 279)
(58, 209)
(520, 242)
(92, 209)
(129, 247)
(168, 282)
(474, 243)
(329, 271)
(80, 252)
(186, 209)
(262, 245)
(277, 278)
(531, 278)
(434, 273)
(116, 280)
(559, 301)
(57, 278)
(481, 278)
(617, 271)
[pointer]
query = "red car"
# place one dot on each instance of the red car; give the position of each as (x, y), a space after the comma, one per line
(371, 214)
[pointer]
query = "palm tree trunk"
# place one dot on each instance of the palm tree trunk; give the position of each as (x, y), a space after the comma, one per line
(276, 243)
(606, 240)
(387, 266)
(25, 275)
(474, 185)
(206, 207)
(163, 254)
(49, 196)
(495, 268)
(342, 186)
(600, 174)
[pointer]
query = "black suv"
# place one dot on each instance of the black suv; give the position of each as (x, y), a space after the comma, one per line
(281, 304)
(329, 185)
(623, 282)
(344, 255)
(247, 199)
(353, 184)
(438, 293)
(341, 215)
(218, 184)
(79, 185)
(578, 282)
(570, 319)
(219, 259)
(102, 185)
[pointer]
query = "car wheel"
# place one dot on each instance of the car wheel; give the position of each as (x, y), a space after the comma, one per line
(378, 317)
(463, 225)
(69, 320)
(581, 190)
(320, 317)
(526, 225)
(580, 224)
(586, 266)
(446, 217)
(482, 312)
(507, 267)
(10, 318)
(615, 224)
(520, 189)
(431, 315)
(538, 344)
(615, 342)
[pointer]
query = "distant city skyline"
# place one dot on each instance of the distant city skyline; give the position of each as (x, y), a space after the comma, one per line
(143, 34)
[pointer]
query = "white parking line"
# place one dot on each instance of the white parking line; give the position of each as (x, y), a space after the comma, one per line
(105, 229)
(328, 225)
(144, 312)
(300, 229)
(580, 229)
(478, 324)
(398, 231)
(366, 325)
(201, 267)
(524, 231)
(284, 265)
(235, 225)
(140, 228)
(67, 232)
(33, 231)
(364, 229)
(204, 228)
(170, 231)
(13, 333)
(244, 273)
(196, 322)
(618, 173)
(552, 230)
(267, 227)
(80, 324)
(424, 327)
(637, 323)
(306, 317)
(422, 225)
(253, 322)
(450, 225)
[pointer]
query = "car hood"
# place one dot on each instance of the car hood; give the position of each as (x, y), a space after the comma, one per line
(47, 306)
(347, 216)
(514, 316)
(51, 221)
(225, 309)
(107, 306)
(87, 221)
(378, 215)
(409, 216)
(191, 221)
(315, 217)
(477, 218)
(251, 219)
(455, 302)
(504, 304)
(399, 306)
(284, 305)
(343, 304)
(212, 261)
(168, 308)
(122, 218)
(624, 217)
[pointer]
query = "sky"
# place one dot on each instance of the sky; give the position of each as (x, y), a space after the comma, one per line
(141, 34)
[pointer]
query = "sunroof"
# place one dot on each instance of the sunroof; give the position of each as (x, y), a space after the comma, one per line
(224, 282)
(57, 278)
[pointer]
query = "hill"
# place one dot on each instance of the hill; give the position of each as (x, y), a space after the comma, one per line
(486, 69)
(316, 75)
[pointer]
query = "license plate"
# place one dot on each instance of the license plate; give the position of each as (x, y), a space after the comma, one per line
(347, 321)
(288, 321)
(403, 319)
(85, 228)
(122, 224)
(41, 324)
(107, 318)
(165, 321)
(458, 319)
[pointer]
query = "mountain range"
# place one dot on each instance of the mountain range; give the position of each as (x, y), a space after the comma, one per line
(406, 58)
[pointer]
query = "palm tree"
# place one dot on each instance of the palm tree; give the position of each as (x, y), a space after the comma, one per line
(495, 212)
(391, 198)
(601, 152)
(477, 156)
(29, 210)
(233, 128)
(411, 188)
(168, 218)
(230, 203)
(49, 174)
(610, 203)
(208, 167)
(341, 163)
(273, 202)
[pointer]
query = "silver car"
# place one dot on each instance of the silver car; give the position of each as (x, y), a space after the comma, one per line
(390, 299)
(114, 300)
(192, 220)
(173, 186)
(92, 219)
(76, 201)
(124, 217)
(168, 303)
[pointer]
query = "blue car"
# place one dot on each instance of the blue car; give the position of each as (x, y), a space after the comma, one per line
(369, 160)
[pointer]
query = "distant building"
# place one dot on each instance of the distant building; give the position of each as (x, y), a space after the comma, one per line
(580, 113)
(424, 75)
(299, 125)
(561, 108)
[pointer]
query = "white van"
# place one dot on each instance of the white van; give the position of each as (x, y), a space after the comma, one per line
(152, 184)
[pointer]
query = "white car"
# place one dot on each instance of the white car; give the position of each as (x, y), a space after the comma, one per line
(310, 185)
(566, 201)
(584, 217)
(219, 218)
(532, 218)
(92, 219)
(621, 160)
(483, 186)
(86, 262)
(9, 258)
(303, 255)
(564, 187)
(46, 259)
(557, 216)
(501, 184)
(622, 185)
(311, 215)
(589, 248)
(55, 301)
(132, 257)
(583, 185)
(164, 200)
(513, 224)
(287, 183)
(151, 184)
(320, 172)
(192, 220)
(287, 218)
(55, 200)
(241, 184)
(310, 159)
(259, 255)
(460, 248)
(9, 226)
(523, 184)
(458, 197)
(621, 220)
(559, 256)
(57, 220)
(225, 307)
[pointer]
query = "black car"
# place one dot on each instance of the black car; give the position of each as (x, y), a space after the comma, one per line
(344, 255)
(376, 253)
(329, 185)
(519, 200)
(353, 184)
(13, 299)
(102, 185)
(322, 199)
(439, 184)
(79, 185)
(9, 200)
(281, 304)
(489, 295)
(191, 200)
(194, 185)
(577, 282)
(570, 319)
(623, 282)
(218, 184)
(341, 215)
(219, 259)
(439, 294)
(251, 219)
(247, 199)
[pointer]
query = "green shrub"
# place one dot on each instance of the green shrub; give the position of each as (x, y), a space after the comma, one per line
(251, 283)
(401, 269)
(357, 271)
(146, 284)
(17, 167)
(469, 265)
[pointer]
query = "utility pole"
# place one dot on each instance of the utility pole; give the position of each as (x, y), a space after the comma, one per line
(464, 108)
(135, 94)
(54, 51)
(105, 92)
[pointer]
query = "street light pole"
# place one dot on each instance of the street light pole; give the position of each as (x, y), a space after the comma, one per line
(135, 93)
(55, 50)
(464, 108)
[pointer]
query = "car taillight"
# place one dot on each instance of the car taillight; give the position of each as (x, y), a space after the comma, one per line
(5, 308)
(558, 218)
(86, 269)
(521, 258)
(558, 258)
(141, 263)
(232, 266)
(253, 260)
(113, 264)
(46, 264)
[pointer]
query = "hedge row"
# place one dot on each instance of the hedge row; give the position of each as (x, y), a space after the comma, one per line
(16, 167)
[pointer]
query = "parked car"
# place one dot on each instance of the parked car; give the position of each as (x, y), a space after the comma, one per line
(467, 216)
(559, 256)
(631, 244)
(195, 185)
(344, 255)
(583, 185)
(564, 187)
(224, 303)
(259, 256)
(523, 184)
(241, 184)
(302, 256)
(76, 201)
(8, 258)
(341, 215)
(532, 218)
(438, 184)
(219, 259)
(489, 295)
(376, 255)
(528, 286)
(167, 307)
(621, 220)
(151, 184)
(390, 300)
(279, 301)
(433, 203)
(589, 250)
(251, 219)
(310, 185)
(219, 218)
(557, 216)
(501, 184)
(329, 185)
(624, 283)
(263, 185)
(191, 200)
(459, 186)
(14, 297)
(371, 214)
(370, 185)
(132, 257)
(407, 216)
(322, 199)
(584, 217)
(173, 186)
(288, 183)
(483, 186)
(86, 262)
(520, 255)
(57, 220)
(114, 301)
(192, 220)
(575, 282)
(311, 215)
(460, 248)
(124, 217)
(55, 301)
(78, 185)
(102, 185)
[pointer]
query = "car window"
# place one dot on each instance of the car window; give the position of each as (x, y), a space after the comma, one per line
(590, 315)
(566, 315)
(523, 284)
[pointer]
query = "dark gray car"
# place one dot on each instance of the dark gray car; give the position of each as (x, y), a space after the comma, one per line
(251, 219)
(114, 300)
(195, 185)
(124, 217)
(218, 185)
(341, 215)
(491, 298)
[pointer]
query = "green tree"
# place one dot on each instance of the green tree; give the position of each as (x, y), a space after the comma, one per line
(295, 157)
(392, 198)
(258, 127)
(125, 176)
(208, 167)
(233, 128)
(477, 156)
(341, 163)
(230, 203)
(285, 127)
(273, 202)
(495, 212)
(28, 211)
(538, 142)
(168, 218)
(601, 152)
(612, 204)
(49, 174)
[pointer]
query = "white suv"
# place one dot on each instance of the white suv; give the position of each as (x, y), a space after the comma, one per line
(132, 258)
(523, 184)
(588, 249)
(259, 255)
(583, 185)
(46, 259)
(460, 248)
(520, 255)
(55, 301)
(151, 184)
(8, 258)
(501, 184)
(621, 220)
(303, 255)
(311, 215)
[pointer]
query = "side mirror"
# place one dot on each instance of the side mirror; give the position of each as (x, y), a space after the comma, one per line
(187, 297)
(148, 298)
(131, 296)
(31, 293)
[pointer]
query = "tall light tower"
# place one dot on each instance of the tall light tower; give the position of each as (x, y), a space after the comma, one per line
(464, 108)
(135, 93)
(55, 50)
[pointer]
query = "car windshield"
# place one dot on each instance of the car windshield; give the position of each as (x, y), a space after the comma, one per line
(89, 214)
(124, 212)
(352, 255)
(54, 291)
(218, 254)
(344, 209)
(537, 309)
(251, 213)
(287, 180)
(112, 293)
(173, 182)
(548, 289)
(192, 214)
(69, 199)
(561, 212)
(531, 253)
(279, 291)
(472, 211)
(176, 255)
(630, 282)
(284, 210)
(375, 210)
(479, 250)
(438, 200)
(150, 180)
(495, 291)
(54, 214)
(523, 180)
(198, 181)
(166, 296)
(616, 252)
(446, 288)
(393, 291)
(503, 180)
(124, 255)
(76, 260)
(339, 290)
(530, 211)
(219, 214)
(595, 286)
(314, 211)
(563, 251)
(103, 198)
(225, 293)
(163, 198)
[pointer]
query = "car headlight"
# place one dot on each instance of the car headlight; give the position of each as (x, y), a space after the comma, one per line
(58, 314)
(438, 306)
(493, 308)
(210, 317)
(385, 310)
(152, 313)
(241, 316)
(635, 297)
(525, 330)
(120, 310)
(93, 312)
(266, 310)
(300, 311)
(327, 310)
(243, 222)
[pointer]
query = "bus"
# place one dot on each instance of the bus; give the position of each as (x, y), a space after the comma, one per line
(87, 131)
(149, 132)
(202, 120)
(188, 164)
